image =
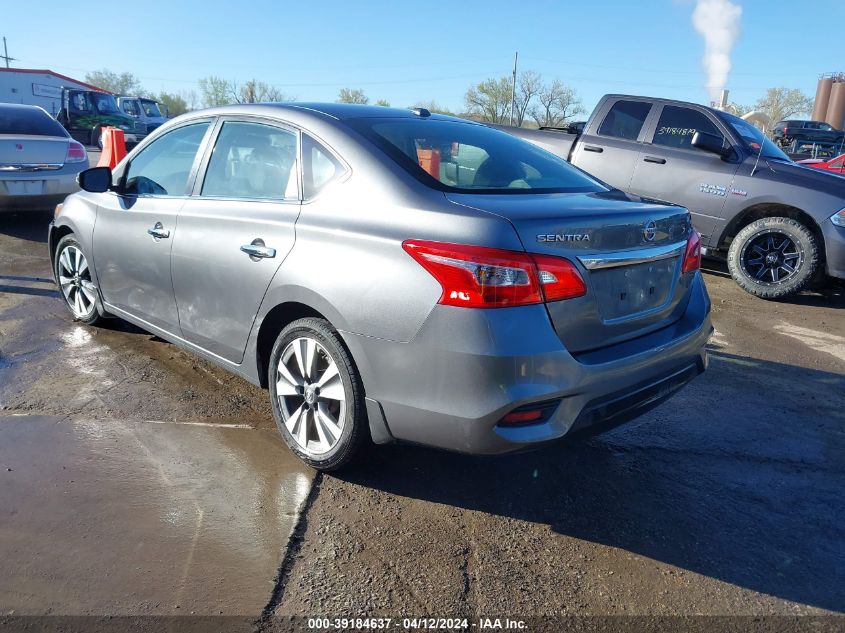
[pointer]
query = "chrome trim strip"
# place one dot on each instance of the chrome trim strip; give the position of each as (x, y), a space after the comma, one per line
(5, 167)
(629, 258)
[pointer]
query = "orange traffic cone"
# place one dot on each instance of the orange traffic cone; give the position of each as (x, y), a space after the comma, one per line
(114, 147)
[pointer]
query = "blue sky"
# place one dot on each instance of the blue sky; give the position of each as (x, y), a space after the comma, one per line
(408, 52)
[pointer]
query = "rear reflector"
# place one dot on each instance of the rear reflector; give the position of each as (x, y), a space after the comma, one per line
(533, 413)
(692, 256)
(75, 152)
(480, 277)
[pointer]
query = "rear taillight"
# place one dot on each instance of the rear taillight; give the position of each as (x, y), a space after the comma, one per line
(785, 131)
(480, 277)
(692, 255)
(75, 153)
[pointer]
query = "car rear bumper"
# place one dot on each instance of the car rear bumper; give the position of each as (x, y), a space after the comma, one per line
(465, 370)
(834, 248)
(54, 188)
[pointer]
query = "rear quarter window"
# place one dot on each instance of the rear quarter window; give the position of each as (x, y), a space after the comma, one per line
(29, 122)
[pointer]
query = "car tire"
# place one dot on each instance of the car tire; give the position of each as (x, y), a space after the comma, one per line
(97, 137)
(773, 258)
(71, 268)
(317, 395)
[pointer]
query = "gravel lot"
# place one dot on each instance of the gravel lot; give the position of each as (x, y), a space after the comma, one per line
(726, 500)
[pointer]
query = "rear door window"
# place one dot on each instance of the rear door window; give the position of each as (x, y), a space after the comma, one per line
(163, 167)
(252, 160)
(625, 120)
(677, 126)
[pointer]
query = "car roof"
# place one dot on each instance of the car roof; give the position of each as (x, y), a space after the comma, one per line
(21, 106)
(337, 111)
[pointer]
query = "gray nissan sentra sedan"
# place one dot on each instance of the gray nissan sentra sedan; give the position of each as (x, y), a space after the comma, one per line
(391, 275)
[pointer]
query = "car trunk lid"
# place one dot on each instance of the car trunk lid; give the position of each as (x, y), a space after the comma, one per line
(32, 153)
(630, 253)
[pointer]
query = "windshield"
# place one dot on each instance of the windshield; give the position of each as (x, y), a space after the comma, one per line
(103, 103)
(150, 108)
(465, 157)
(753, 138)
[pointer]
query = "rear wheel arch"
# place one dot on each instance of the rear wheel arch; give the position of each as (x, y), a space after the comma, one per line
(271, 325)
(770, 210)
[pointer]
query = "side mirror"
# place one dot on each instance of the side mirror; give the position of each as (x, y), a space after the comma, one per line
(95, 180)
(710, 143)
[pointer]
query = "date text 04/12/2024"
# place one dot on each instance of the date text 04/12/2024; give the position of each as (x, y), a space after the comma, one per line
(415, 624)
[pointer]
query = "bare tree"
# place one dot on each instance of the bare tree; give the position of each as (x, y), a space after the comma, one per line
(191, 98)
(782, 103)
(215, 91)
(120, 84)
(490, 100)
(433, 107)
(350, 95)
(557, 104)
(528, 86)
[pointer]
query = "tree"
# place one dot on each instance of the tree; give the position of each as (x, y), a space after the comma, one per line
(254, 91)
(215, 91)
(490, 100)
(349, 95)
(529, 85)
(433, 107)
(120, 84)
(783, 103)
(191, 99)
(383, 102)
(557, 104)
(175, 104)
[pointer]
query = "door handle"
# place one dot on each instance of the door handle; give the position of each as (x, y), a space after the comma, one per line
(655, 159)
(257, 250)
(159, 232)
(593, 148)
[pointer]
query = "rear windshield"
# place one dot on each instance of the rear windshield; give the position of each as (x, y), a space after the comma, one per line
(465, 157)
(29, 121)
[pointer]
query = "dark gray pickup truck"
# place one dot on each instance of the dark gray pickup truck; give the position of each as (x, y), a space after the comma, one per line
(777, 223)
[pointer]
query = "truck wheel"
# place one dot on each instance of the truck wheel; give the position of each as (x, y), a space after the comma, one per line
(97, 137)
(316, 395)
(773, 258)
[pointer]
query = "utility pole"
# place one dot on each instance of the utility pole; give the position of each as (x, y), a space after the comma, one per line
(513, 85)
(5, 54)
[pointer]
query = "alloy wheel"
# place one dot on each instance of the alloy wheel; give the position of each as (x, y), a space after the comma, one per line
(311, 395)
(75, 281)
(771, 258)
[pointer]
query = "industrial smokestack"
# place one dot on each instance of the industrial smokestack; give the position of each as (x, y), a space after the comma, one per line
(723, 100)
(717, 21)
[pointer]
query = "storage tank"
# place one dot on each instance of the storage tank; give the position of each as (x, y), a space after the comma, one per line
(823, 90)
(836, 106)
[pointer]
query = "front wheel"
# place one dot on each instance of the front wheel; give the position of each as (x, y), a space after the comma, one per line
(773, 258)
(316, 395)
(74, 277)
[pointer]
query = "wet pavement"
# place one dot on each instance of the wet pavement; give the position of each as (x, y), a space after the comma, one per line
(143, 478)
(134, 478)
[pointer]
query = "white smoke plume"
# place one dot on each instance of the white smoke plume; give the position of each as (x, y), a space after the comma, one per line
(718, 23)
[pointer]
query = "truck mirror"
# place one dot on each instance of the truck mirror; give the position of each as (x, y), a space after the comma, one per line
(95, 180)
(710, 143)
